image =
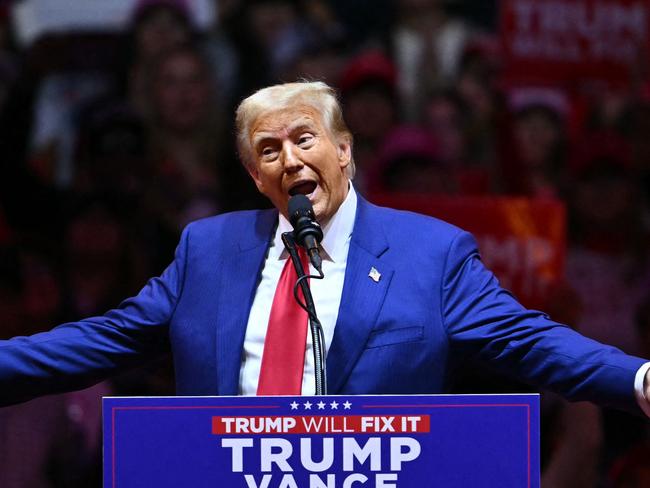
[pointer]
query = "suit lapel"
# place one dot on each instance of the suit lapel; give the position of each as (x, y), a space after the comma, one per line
(362, 296)
(240, 274)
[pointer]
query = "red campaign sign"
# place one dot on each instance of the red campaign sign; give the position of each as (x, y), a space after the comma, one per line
(320, 424)
(570, 40)
(523, 241)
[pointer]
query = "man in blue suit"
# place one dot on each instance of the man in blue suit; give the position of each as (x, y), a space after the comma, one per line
(405, 297)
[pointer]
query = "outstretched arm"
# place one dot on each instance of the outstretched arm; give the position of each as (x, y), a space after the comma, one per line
(78, 354)
(485, 321)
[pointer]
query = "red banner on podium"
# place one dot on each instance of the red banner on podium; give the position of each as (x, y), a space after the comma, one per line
(569, 40)
(320, 424)
(522, 241)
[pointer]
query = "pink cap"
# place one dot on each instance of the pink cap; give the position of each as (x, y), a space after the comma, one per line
(521, 98)
(402, 141)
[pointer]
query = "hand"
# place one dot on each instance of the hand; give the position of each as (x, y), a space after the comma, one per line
(646, 386)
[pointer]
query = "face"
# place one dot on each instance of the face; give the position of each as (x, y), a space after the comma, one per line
(536, 136)
(443, 118)
(182, 93)
(370, 114)
(294, 153)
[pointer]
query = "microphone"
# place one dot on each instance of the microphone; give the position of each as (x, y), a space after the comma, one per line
(306, 231)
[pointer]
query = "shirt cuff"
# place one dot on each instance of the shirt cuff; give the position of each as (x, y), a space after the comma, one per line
(639, 390)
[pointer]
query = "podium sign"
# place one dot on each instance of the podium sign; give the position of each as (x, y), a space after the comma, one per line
(322, 442)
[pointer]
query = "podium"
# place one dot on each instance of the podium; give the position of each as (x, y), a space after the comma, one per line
(384, 441)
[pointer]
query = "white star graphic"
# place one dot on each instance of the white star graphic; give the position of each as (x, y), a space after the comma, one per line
(334, 405)
(307, 405)
(294, 405)
(321, 405)
(347, 405)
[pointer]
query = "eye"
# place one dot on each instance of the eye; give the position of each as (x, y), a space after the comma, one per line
(306, 140)
(268, 152)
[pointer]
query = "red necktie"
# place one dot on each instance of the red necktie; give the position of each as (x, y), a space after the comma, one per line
(283, 359)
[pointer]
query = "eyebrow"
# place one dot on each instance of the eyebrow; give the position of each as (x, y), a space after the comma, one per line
(302, 123)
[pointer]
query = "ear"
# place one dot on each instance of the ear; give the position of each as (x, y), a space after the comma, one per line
(252, 170)
(344, 152)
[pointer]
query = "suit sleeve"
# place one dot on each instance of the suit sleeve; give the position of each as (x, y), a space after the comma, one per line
(78, 354)
(485, 321)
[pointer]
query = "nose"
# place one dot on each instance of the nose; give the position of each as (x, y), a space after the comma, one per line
(290, 157)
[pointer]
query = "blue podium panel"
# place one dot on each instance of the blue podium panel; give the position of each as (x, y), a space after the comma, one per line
(450, 441)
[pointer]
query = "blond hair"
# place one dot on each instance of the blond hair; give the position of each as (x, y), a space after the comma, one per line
(315, 94)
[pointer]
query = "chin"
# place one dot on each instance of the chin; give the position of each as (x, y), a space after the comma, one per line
(321, 218)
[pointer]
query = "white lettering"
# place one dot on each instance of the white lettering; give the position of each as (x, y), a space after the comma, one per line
(306, 455)
(388, 424)
(352, 451)
(381, 479)
(279, 458)
(250, 481)
(397, 456)
(237, 455)
(354, 478)
(228, 421)
(311, 425)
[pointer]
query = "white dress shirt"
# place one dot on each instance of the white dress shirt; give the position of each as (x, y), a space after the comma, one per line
(326, 293)
(639, 390)
(327, 299)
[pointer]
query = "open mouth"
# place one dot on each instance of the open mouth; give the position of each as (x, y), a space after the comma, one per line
(302, 188)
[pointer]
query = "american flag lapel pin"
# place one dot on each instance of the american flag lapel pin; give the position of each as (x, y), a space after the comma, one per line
(374, 275)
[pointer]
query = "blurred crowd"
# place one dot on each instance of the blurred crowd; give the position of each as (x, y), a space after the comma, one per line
(111, 143)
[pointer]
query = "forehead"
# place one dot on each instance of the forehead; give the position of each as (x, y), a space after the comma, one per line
(283, 121)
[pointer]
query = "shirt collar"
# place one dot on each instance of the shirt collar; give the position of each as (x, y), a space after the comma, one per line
(335, 234)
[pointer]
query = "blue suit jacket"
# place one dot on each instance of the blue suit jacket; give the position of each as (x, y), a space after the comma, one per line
(434, 306)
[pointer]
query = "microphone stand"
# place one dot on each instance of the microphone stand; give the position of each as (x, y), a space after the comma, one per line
(315, 327)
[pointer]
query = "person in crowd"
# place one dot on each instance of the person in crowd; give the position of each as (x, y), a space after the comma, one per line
(101, 264)
(267, 36)
(534, 164)
(157, 26)
(368, 88)
(184, 145)
(478, 85)
(427, 47)
(112, 157)
(445, 115)
(323, 59)
(220, 52)
(607, 262)
(411, 161)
